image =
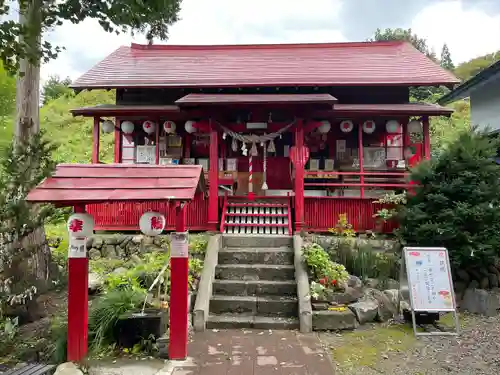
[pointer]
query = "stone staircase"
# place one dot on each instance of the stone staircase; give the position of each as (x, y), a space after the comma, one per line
(254, 284)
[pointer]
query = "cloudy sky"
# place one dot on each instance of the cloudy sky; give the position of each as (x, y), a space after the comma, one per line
(470, 27)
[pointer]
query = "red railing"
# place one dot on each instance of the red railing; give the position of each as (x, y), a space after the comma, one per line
(224, 212)
(120, 216)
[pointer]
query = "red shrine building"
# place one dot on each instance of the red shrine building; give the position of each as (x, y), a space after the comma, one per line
(289, 136)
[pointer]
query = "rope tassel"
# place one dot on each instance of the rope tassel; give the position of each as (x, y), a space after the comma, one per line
(271, 147)
(253, 150)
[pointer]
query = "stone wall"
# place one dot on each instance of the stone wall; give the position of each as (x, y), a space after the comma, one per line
(327, 242)
(123, 246)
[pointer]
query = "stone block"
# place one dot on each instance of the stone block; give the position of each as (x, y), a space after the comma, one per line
(334, 320)
(365, 311)
(480, 301)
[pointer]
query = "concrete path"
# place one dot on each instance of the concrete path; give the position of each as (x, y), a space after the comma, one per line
(236, 352)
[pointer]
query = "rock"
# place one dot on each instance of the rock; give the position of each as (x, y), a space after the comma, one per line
(94, 254)
(365, 311)
(484, 283)
(350, 295)
(132, 248)
(90, 242)
(386, 309)
(120, 252)
(493, 277)
(493, 269)
(68, 368)
(135, 258)
(108, 251)
(474, 284)
(464, 276)
(392, 284)
(475, 274)
(112, 240)
(393, 295)
(354, 282)
(125, 241)
(403, 305)
(119, 270)
(333, 320)
(147, 240)
(320, 305)
(372, 283)
(460, 287)
(137, 239)
(480, 301)
(97, 243)
(95, 282)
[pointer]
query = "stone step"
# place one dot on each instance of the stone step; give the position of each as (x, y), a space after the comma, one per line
(278, 255)
(239, 321)
(254, 305)
(256, 241)
(255, 272)
(255, 287)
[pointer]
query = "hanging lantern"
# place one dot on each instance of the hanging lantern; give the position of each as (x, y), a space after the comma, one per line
(152, 223)
(189, 126)
(234, 145)
(325, 127)
(107, 126)
(149, 127)
(392, 126)
(81, 225)
(414, 126)
(346, 126)
(369, 126)
(127, 127)
(169, 127)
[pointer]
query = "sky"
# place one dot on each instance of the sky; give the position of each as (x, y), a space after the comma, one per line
(471, 28)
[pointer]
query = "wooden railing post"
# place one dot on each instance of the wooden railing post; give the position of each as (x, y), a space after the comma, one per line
(96, 140)
(360, 157)
(213, 196)
(299, 178)
(118, 142)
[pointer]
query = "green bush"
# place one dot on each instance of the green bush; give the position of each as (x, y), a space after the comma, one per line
(321, 267)
(457, 205)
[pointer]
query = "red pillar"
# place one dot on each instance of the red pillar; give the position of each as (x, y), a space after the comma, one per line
(177, 349)
(213, 193)
(95, 143)
(427, 138)
(299, 178)
(360, 157)
(118, 142)
(78, 270)
(157, 143)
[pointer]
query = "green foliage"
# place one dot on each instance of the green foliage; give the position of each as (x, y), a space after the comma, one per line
(7, 105)
(472, 67)
(321, 267)
(343, 228)
(118, 16)
(445, 130)
(198, 245)
(56, 87)
(395, 200)
(446, 61)
(457, 204)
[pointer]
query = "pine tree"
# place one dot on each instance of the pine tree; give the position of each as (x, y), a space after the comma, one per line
(446, 61)
(458, 202)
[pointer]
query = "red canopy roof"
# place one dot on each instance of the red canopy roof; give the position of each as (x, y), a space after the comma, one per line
(335, 64)
(261, 99)
(74, 184)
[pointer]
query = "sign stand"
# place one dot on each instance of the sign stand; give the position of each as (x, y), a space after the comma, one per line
(426, 283)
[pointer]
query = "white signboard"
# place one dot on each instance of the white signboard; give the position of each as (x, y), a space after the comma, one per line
(179, 245)
(77, 247)
(146, 154)
(429, 279)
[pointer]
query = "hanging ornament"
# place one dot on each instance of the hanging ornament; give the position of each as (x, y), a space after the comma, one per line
(392, 126)
(369, 126)
(127, 127)
(264, 183)
(149, 126)
(224, 135)
(325, 127)
(346, 126)
(107, 126)
(189, 126)
(169, 127)
(271, 147)
(414, 126)
(234, 145)
(245, 152)
(253, 150)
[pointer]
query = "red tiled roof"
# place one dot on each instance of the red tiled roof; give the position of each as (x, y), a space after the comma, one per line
(223, 99)
(408, 109)
(93, 183)
(336, 64)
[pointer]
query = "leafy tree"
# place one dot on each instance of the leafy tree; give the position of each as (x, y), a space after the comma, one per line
(472, 67)
(458, 202)
(446, 61)
(7, 93)
(56, 87)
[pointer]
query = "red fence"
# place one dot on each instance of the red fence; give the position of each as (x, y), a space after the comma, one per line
(117, 216)
(322, 213)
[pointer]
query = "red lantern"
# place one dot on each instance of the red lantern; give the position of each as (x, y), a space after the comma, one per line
(346, 126)
(369, 126)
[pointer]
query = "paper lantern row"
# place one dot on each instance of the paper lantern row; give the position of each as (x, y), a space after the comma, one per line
(128, 127)
(391, 126)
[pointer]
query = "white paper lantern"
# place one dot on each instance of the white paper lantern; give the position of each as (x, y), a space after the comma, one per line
(80, 225)
(414, 126)
(392, 126)
(346, 126)
(107, 126)
(152, 223)
(325, 127)
(169, 127)
(189, 126)
(369, 126)
(149, 126)
(127, 127)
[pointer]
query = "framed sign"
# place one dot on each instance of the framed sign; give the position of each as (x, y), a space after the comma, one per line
(77, 247)
(426, 274)
(179, 245)
(146, 154)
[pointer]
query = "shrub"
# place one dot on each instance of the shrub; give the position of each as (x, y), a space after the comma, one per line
(321, 268)
(343, 228)
(457, 202)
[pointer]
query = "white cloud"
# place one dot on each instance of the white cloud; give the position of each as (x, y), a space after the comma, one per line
(469, 32)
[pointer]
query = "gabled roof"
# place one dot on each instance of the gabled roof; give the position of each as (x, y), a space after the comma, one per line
(464, 90)
(334, 64)
(73, 184)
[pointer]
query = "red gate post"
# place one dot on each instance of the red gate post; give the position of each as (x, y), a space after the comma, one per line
(96, 140)
(177, 349)
(78, 273)
(299, 177)
(213, 188)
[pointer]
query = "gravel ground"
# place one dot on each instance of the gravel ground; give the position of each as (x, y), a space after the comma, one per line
(392, 349)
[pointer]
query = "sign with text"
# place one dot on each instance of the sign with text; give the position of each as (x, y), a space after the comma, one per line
(429, 279)
(77, 247)
(179, 245)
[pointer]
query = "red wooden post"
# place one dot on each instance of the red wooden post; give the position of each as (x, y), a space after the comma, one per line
(427, 138)
(299, 178)
(360, 157)
(118, 142)
(157, 142)
(78, 271)
(177, 349)
(213, 198)
(95, 144)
